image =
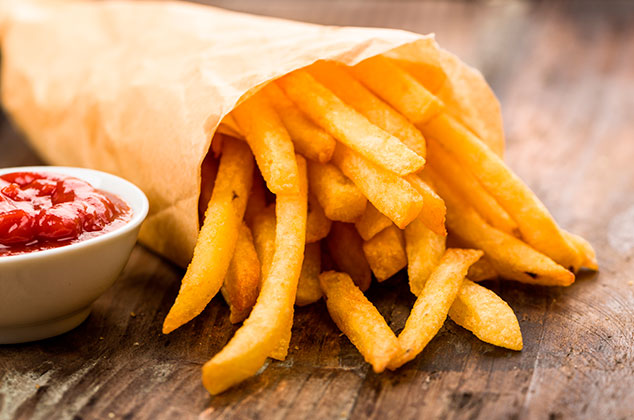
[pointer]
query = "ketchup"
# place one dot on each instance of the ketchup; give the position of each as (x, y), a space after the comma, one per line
(42, 211)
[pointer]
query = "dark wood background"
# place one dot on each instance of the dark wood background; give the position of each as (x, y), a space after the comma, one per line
(564, 72)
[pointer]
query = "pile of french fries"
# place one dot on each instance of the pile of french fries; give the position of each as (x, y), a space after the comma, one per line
(364, 170)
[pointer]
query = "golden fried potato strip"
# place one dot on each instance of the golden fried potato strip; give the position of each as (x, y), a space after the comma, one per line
(536, 225)
(467, 186)
(346, 250)
(390, 194)
(510, 257)
(336, 78)
(309, 139)
(424, 250)
(262, 331)
(308, 289)
(482, 270)
(242, 282)
(434, 209)
(486, 315)
(398, 88)
(270, 143)
(348, 126)
(317, 224)
(359, 320)
(432, 305)
(264, 240)
(371, 222)
(340, 199)
(257, 199)
(385, 253)
(218, 235)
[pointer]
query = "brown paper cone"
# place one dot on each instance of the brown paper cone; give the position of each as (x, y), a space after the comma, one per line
(139, 88)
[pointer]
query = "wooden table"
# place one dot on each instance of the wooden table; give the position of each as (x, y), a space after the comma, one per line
(565, 75)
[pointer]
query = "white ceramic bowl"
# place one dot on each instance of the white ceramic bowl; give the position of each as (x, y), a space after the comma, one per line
(46, 293)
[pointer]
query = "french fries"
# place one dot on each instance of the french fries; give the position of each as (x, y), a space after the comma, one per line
(348, 126)
(468, 187)
(365, 205)
(432, 305)
(534, 222)
(349, 90)
(391, 195)
(340, 199)
(403, 92)
(242, 282)
(262, 331)
(385, 253)
(371, 222)
(218, 235)
(309, 140)
(270, 143)
(424, 250)
(317, 224)
(257, 200)
(482, 270)
(308, 289)
(346, 250)
(264, 228)
(482, 312)
(434, 210)
(359, 320)
(510, 257)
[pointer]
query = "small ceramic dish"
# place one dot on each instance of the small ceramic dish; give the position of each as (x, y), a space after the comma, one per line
(48, 292)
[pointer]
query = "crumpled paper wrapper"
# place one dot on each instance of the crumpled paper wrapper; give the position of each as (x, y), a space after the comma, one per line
(139, 88)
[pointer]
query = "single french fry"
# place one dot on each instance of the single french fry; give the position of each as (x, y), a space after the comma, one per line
(486, 315)
(242, 282)
(371, 222)
(218, 235)
(385, 253)
(348, 126)
(346, 250)
(482, 270)
(510, 257)
(270, 143)
(264, 227)
(308, 289)
(391, 195)
(432, 305)
(588, 256)
(317, 224)
(257, 199)
(338, 196)
(467, 186)
(424, 250)
(262, 331)
(359, 320)
(434, 209)
(403, 92)
(336, 78)
(309, 139)
(536, 225)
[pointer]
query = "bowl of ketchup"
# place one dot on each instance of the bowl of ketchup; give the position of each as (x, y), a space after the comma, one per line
(65, 235)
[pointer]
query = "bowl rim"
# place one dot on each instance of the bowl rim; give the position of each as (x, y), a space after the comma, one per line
(138, 215)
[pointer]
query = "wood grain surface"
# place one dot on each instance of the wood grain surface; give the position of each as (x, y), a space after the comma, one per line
(564, 72)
